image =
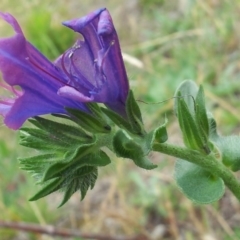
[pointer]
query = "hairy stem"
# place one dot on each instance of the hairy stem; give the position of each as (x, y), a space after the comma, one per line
(208, 162)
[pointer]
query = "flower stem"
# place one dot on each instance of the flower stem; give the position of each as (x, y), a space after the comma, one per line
(208, 162)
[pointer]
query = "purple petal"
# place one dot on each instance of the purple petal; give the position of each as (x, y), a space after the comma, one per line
(72, 93)
(79, 24)
(105, 24)
(98, 60)
(12, 21)
(91, 70)
(23, 65)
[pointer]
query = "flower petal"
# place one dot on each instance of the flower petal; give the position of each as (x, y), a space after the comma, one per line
(101, 52)
(72, 93)
(23, 65)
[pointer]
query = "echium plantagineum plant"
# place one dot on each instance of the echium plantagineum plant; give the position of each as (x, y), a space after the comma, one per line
(70, 144)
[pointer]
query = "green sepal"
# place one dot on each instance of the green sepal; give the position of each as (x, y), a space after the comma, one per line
(55, 144)
(49, 188)
(62, 116)
(78, 174)
(68, 193)
(39, 159)
(55, 169)
(89, 122)
(117, 119)
(134, 115)
(67, 155)
(201, 115)
(190, 131)
(37, 164)
(61, 130)
(79, 159)
(39, 139)
(81, 179)
(126, 147)
(96, 110)
(198, 184)
(160, 133)
(53, 137)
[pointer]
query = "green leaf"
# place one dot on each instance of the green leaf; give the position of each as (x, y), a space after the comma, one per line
(82, 179)
(89, 183)
(96, 110)
(126, 147)
(61, 130)
(78, 160)
(89, 122)
(134, 115)
(98, 158)
(191, 135)
(37, 163)
(201, 114)
(51, 187)
(68, 156)
(57, 168)
(198, 184)
(230, 150)
(39, 139)
(53, 137)
(68, 193)
(83, 156)
(55, 152)
(42, 158)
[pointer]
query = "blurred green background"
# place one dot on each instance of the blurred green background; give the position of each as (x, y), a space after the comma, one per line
(164, 42)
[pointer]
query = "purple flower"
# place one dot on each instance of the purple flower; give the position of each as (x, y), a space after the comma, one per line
(91, 70)
(94, 67)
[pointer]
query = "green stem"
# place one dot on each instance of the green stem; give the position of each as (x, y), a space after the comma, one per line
(208, 162)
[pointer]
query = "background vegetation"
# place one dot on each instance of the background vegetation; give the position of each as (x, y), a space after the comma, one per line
(170, 41)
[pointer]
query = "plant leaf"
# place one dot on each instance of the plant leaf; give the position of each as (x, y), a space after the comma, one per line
(51, 187)
(190, 131)
(230, 151)
(198, 184)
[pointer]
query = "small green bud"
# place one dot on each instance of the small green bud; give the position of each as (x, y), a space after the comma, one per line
(192, 135)
(126, 147)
